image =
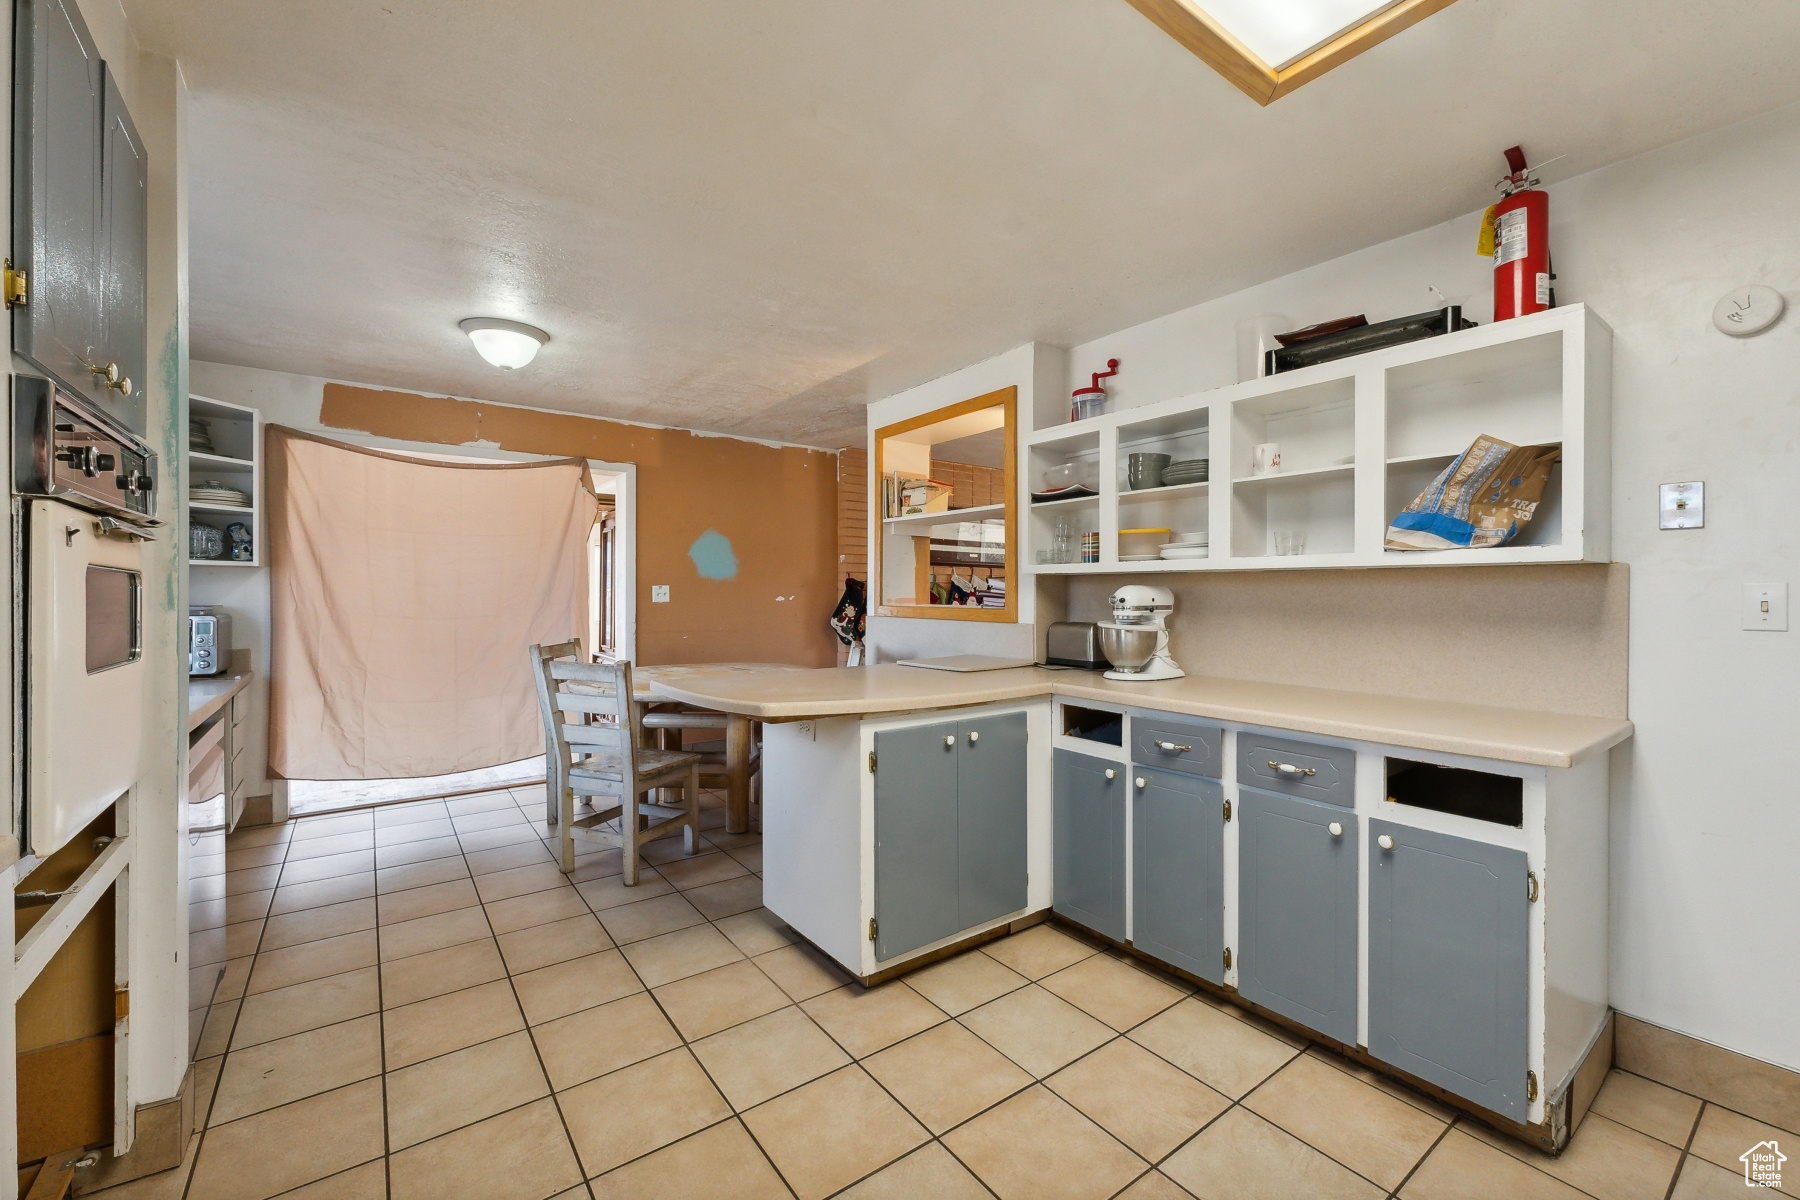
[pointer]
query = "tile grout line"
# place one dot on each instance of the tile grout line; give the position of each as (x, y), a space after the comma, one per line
(685, 1044)
(205, 1120)
(1432, 1149)
(1686, 1149)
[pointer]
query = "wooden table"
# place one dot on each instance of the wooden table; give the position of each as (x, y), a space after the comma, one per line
(645, 685)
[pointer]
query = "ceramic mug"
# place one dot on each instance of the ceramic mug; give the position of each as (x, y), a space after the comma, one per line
(1145, 470)
(1268, 457)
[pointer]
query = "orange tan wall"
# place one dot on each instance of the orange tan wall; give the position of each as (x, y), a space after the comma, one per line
(776, 505)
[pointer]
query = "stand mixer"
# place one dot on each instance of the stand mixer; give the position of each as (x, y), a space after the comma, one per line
(1136, 640)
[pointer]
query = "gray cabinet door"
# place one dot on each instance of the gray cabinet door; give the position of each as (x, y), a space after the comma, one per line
(1090, 842)
(1178, 871)
(57, 90)
(1297, 768)
(1448, 976)
(123, 177)
(990, 823)
(1297, 910)
(915, 837)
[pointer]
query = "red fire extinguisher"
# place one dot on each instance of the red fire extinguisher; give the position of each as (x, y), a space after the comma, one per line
(1516, 232)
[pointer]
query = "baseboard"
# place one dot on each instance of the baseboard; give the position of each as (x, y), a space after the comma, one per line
(160, 1139)
(1731, 1080)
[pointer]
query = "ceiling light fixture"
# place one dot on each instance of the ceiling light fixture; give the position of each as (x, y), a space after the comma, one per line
(1270, 47)
(508, 345)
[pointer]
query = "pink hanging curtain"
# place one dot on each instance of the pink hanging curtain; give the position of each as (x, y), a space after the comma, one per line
(403, 595)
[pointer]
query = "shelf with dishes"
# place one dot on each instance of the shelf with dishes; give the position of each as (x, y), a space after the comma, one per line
(1316, 464)
(224, 472)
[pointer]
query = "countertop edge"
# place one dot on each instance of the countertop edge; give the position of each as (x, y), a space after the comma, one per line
(1606, 732)
(213, 705)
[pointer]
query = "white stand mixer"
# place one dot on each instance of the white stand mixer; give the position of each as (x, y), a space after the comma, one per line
(1136, 640)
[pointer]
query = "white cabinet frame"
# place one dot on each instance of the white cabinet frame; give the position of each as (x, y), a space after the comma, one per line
(1542, 378)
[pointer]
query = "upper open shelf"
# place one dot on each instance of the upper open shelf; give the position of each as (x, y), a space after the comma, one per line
(1358, 439)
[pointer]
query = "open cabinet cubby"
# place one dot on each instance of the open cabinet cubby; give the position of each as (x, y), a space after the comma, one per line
(1359, 439)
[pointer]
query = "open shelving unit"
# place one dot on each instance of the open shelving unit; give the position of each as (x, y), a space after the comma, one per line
(237, 440)
(1359, 438)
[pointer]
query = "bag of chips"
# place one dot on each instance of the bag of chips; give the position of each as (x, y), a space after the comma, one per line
(1485, 497)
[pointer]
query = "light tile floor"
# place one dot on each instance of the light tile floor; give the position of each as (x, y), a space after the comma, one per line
(416, 1003)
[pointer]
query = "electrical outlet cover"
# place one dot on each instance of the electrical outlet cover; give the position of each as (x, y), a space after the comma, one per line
(1683, 506)
(659, 593)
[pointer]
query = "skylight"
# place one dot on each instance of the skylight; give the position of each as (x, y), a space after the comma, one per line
(1282, 31)
(1267, 48)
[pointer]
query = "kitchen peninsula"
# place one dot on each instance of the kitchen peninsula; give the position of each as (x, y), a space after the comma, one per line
(1354, 864)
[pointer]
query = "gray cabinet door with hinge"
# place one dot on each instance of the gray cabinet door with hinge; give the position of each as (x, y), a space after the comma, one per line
(915, 837)
(990, 823)
(1448, 973)
(1297, 914)
(124, 175)
(58, 84)
(1090, 842)
(1178, 870)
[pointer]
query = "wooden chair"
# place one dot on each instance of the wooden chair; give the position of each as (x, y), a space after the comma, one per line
(669, 723)
(582, 759)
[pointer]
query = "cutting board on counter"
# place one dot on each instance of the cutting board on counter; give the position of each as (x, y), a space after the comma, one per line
(965, 663)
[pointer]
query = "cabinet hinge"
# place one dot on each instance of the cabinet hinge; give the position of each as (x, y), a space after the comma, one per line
(1228, 958)
(871, 762)
(1531, 887)
(16, 286)
(873, 927)
(1530, 1085)
(1228, 812)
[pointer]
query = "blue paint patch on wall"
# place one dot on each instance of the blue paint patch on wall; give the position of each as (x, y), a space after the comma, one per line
(713, 556)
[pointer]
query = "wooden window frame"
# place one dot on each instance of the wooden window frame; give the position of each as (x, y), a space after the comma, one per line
(1007, 399)
(1187, 22)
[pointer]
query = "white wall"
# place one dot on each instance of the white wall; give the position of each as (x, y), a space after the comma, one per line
(1705, 889)
(1037, 370)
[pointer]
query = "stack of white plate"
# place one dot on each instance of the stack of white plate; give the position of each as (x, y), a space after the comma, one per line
(215, 493)
(1186, 545)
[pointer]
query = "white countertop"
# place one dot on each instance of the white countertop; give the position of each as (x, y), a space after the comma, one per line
(1545, 739)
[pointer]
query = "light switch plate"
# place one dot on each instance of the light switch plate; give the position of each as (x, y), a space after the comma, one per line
(1765, 606)
(659, 593)
(1683, 506)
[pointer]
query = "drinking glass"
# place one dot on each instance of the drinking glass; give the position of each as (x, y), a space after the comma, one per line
(1290, 541)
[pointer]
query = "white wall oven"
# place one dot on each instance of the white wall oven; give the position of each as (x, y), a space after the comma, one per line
(84, 507)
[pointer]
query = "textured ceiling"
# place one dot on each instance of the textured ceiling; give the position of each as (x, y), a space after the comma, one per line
(755, 217)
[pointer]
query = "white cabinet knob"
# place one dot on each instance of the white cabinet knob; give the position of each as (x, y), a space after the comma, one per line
(1337, 830)
(973, 736)
(1387, 842)
(1141, 781)
(949, 739)
(1111, 774)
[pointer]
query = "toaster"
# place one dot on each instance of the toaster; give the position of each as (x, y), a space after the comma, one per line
(209, 640)
(1074, 644)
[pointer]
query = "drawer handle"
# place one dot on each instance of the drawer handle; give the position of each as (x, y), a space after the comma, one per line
(974, 736)
(949, 739)
(1111, 774)
(1337, 830)
(1172, 748)
(1290, 768)
(1142, 782)
(1387, 842)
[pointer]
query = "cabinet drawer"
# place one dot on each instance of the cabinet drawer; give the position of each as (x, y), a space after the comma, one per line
(1298, 768)
(240, 708)
(1177, 745)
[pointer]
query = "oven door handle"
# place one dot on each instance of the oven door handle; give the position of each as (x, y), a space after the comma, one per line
(113, 527)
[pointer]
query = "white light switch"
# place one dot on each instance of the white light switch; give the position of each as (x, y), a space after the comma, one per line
(1765, 606)
(659, 593)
